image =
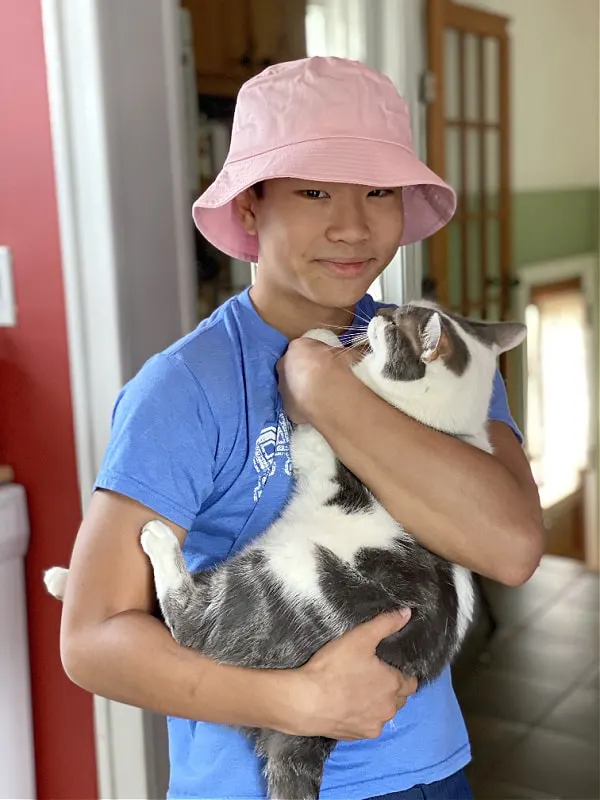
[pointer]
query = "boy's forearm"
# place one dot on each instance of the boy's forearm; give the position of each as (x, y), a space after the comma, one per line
(460, 502)
(133, 659)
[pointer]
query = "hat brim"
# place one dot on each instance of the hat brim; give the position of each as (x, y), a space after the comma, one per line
(429, 203)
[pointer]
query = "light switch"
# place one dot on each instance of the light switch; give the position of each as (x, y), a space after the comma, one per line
(8, 310)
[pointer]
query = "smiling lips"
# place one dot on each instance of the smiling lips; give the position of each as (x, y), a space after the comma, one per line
(346, 269)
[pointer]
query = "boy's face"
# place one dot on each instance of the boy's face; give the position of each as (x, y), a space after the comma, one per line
(324, 242)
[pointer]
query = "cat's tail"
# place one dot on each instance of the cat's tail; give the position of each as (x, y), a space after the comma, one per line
(55, 580)
(293, 764)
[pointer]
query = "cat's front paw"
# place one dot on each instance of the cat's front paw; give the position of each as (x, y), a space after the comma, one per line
(324, 335)
(158, 540)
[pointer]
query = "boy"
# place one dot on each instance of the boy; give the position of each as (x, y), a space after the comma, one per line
(320, 187)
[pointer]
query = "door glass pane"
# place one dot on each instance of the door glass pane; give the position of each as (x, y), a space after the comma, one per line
(493, 292)
(491, 63)
(453, 163)
(472, 73)
(451, 75)
(455, 256)
(472, 147)
(492, 169)
(474, 276)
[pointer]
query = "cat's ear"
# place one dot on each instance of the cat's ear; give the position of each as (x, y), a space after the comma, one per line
(502, 336)
(432, 338)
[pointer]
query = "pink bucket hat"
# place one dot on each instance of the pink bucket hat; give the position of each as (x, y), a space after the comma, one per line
(321, 119)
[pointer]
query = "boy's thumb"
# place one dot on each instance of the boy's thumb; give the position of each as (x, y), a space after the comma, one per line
(383, 625)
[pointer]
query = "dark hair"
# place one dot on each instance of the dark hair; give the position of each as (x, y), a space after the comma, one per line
(259, 189)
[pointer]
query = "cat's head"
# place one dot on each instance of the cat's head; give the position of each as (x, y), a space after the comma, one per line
(434, 365)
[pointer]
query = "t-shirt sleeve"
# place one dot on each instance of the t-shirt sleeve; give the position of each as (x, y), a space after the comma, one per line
(163, 442)
(499, 409)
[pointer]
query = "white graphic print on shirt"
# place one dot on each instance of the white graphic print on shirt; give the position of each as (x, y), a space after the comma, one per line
(272, 445)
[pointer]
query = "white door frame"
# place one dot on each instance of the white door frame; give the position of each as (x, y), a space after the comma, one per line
(115, 90)
(126, 241)
(396, 45)
(392, 39)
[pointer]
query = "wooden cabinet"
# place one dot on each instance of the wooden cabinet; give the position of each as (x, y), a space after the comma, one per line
(236, 39)
(278, 31)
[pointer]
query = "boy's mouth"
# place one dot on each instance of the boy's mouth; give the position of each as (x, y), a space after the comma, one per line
(347, 269)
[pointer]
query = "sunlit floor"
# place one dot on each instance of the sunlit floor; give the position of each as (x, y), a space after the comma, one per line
(531, 697)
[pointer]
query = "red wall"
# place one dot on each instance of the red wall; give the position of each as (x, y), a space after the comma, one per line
(36, 424)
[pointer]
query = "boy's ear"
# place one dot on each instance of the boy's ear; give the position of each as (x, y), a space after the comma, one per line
(245, 208)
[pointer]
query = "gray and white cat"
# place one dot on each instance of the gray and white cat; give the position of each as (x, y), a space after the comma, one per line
(335, 558)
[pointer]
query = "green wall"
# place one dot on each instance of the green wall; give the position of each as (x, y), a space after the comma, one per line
(546, 225)
(554, 224)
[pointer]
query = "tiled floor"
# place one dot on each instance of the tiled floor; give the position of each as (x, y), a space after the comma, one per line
(531, 697)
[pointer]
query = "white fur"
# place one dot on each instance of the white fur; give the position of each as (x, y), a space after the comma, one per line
(162, 546)
(55, 580)
(323, 335)
(432, 335)
(466, 600)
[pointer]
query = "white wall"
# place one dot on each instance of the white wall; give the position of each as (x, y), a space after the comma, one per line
(555, 91)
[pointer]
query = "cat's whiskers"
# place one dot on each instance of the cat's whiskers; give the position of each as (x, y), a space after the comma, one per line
(357, 314)
(357, 343)
(346, 327)
(358, 340)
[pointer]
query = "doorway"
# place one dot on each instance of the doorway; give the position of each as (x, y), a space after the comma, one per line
(557, 302)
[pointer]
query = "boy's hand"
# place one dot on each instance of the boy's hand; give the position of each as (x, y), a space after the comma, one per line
(304, 370)
(345, 691)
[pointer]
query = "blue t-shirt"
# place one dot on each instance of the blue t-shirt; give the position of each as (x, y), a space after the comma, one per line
(200, 436)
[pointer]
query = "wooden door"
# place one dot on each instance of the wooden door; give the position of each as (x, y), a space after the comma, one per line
(468, 142)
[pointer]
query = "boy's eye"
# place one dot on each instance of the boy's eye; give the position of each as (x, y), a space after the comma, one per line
(380, 192)
(313, 194)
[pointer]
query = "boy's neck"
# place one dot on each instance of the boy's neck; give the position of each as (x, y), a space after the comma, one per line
(293, 316)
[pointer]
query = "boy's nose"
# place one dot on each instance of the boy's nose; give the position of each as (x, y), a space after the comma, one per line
(348, 223)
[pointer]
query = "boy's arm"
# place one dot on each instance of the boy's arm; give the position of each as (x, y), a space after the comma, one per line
(112, 646)
(472, 508)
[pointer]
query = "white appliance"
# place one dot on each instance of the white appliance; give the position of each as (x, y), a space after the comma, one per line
(17, 763)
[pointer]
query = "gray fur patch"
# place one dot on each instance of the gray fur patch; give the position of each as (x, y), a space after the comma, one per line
(406, 344)
(352, 495)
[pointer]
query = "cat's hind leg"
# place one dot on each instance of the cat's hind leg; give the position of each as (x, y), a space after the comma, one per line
(173, 582)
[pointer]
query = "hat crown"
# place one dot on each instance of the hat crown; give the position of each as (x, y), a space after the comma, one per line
(317, 98)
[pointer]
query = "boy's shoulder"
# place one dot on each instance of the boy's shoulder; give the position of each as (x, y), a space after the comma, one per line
(211, 338)
(197, 367)
(207, 355)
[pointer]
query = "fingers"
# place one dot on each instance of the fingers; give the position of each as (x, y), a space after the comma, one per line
(373, 631)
